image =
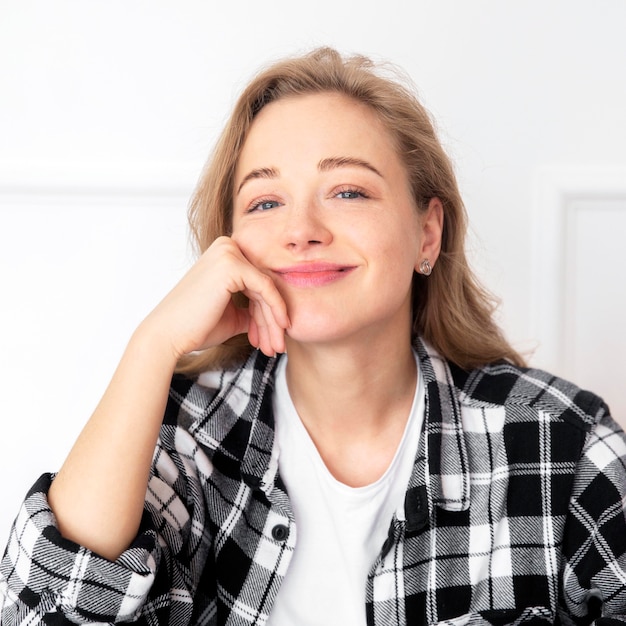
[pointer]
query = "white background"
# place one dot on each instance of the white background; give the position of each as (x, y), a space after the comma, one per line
(107, 113)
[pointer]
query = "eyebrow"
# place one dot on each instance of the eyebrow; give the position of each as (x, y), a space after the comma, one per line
(324, 165)
(334, 162)
(262, 172)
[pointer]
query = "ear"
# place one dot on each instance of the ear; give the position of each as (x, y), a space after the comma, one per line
(431, 223)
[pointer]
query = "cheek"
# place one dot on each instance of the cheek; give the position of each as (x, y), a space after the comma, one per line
(249, 243)
(398, 245)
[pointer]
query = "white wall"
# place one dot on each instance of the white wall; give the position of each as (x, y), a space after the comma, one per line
(107, 112)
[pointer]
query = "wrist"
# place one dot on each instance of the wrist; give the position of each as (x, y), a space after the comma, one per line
(150, 342)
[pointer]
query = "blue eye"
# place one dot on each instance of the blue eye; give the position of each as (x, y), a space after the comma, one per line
(263, 205)
(350, 194)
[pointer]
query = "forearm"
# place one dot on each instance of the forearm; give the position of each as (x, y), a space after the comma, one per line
(98, 495)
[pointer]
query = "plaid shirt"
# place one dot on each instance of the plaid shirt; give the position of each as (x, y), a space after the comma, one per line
(514, 514)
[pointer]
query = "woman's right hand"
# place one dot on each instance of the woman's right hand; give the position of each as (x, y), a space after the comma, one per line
(199, 312)
(98, 495)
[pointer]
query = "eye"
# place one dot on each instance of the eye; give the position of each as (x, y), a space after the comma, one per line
(263, 204)
(350, 193)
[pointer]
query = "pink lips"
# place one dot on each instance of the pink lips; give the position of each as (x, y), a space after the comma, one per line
(313, 274)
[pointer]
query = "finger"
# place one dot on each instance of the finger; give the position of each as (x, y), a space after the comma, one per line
(262, 289)
(253, 330)
(275, 332)
(268, 310)
(262, 323)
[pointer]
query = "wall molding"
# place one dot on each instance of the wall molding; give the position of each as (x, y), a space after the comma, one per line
(108, 180)
(558, 189)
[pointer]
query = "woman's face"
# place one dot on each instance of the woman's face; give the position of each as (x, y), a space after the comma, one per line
(322, 204)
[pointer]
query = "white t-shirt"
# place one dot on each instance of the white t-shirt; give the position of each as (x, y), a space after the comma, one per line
(340, 529)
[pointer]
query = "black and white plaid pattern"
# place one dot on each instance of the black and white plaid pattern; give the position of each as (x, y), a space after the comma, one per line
(514, 514)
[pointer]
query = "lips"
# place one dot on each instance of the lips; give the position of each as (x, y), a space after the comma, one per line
(313, 274)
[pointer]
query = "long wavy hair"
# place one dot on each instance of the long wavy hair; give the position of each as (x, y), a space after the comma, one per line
(451, 310)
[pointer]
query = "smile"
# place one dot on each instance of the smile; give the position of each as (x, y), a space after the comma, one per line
(313, 274)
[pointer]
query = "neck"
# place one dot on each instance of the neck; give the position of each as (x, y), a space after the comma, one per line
(354, 403)
(348, 387)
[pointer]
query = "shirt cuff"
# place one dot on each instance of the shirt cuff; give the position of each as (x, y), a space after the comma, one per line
(44, 572)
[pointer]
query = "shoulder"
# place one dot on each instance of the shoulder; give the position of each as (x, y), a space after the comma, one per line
(530, 391)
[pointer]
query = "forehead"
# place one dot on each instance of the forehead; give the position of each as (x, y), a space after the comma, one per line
(320, 125)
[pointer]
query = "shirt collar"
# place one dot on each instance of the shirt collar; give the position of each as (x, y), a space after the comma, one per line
(235, 423)
(447, 470)
(238, 425)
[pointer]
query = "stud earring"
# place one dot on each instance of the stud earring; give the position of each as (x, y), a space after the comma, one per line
(425, 267)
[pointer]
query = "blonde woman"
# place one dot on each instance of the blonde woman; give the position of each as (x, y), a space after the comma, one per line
(321, 423)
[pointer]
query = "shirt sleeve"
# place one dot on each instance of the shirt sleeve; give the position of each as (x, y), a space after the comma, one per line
(45, 578)
(594, 549)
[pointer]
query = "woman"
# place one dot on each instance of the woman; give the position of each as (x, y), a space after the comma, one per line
(397, 465)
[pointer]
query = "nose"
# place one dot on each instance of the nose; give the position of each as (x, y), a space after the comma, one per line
(306, 226)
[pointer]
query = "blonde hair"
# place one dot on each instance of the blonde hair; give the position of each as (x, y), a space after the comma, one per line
(450, 309)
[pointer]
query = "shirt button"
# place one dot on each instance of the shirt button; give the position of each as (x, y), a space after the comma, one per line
(280, 532)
